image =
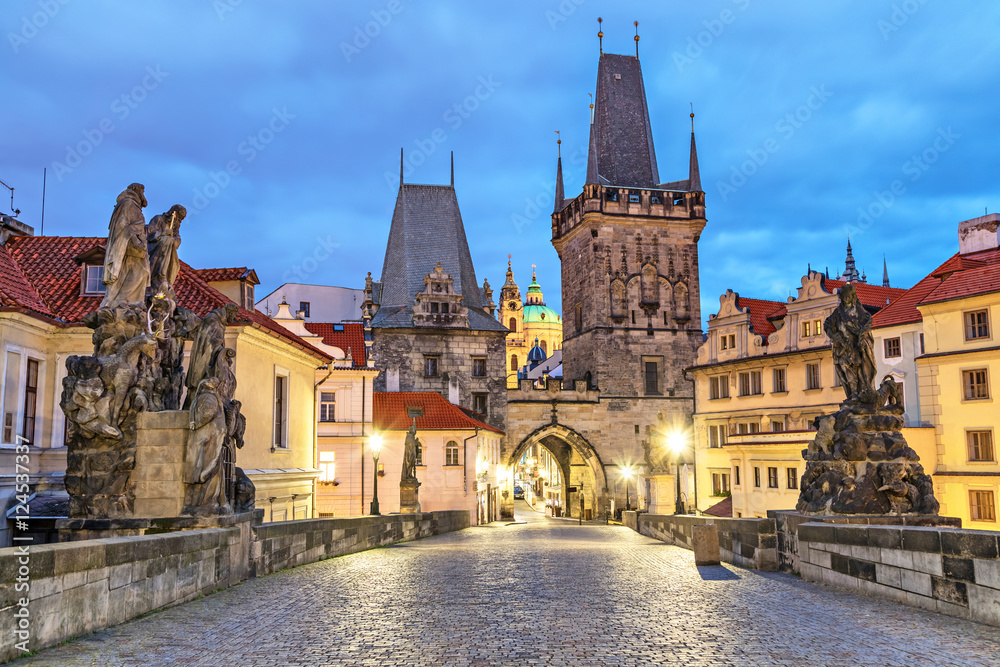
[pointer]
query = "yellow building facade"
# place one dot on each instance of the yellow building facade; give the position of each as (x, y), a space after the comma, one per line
(764, 373)
(527, 321)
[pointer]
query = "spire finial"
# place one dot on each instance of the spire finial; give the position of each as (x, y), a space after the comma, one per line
(591, 108)
(400, 166)
(558, 143)
(453, 169)
(636, 24)
(692, 117)
(532, 272)
(508, 261)
(600, 35)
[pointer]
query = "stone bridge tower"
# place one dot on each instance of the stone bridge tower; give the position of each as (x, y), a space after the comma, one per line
(631, 317)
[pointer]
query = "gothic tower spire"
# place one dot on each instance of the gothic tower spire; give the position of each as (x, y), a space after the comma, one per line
(694, 174)
(885, 273)
(560, 195)
(851, 274)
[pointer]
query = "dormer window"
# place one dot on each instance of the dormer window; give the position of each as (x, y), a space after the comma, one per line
(634, 197)
(92, 279)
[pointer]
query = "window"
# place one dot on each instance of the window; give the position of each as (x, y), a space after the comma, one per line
(451, 453)
(478, 367)
(718, 386)
(793, 477)
(8, 427)
(327, 406)
(778, 380)
(806, 329)
(720, 483)
(435, 307)
(736, 475)
(414, 412)
(247, 296)
(818, 328)
(777, 425)
(772, 477)
(981, 506)
(921, 343)
(716, 435)
(579, 318)
(633, 317)
(652, 381)
(304, 307)
(30, 401)
(750, 383)
(544, 347)
(512, 325)
(513, 362)
(976, 384)
(280, 406)
(812, 376)
(977, 325)
(94, 275)
(430, 367)
(756, 476)
(980, 445)
(724, 342)
(747, 427)
(892, 348)
(732, 341)
(479, 403)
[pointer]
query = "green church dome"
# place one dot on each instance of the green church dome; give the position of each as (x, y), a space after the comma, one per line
(537, 313)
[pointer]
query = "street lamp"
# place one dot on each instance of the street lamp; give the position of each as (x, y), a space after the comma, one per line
(626, 475)
(376, 444)
(676, 441)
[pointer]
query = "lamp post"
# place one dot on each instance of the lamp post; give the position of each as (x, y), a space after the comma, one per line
(376, 444)
(626, 474)
(676, 442)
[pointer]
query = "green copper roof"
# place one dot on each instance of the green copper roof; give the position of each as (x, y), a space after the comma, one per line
(536, 313)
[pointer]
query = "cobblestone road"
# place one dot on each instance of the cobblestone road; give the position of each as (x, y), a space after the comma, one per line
(547, 592)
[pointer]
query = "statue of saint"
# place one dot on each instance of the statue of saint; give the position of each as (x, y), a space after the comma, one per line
(209, 336)
(164, 238)
(126, 258)
(410, 453)
(850, 330)
(205, 491)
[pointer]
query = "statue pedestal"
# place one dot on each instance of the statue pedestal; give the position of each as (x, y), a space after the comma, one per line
(408, 500)
(662, 493)
(158, 477)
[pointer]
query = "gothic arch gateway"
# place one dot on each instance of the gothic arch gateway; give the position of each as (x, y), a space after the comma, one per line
(579, 463)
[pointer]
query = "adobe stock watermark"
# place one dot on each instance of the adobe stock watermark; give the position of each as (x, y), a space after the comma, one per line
(22, 546)
(901, 13)
(562, 12)
(247, 150)
(540, 204)
(914, 168)
(31, 25)
(363, 35)
(786, 127)
(703, 39)
(121, 108)
(321, 252)
(454, 117)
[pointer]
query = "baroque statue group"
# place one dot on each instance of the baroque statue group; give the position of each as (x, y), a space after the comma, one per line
(137, 366)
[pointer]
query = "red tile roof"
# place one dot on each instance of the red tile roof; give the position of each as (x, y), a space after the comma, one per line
(389, 413)
(722, 509)
(870, 295)
(760, 312)
(223, 275)
(346, 336)
(959, 276)
(48, 281)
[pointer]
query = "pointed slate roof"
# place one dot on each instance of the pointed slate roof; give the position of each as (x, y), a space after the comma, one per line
(621, 139)
(426, 229)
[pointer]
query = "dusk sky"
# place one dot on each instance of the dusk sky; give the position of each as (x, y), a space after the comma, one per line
(278, 125)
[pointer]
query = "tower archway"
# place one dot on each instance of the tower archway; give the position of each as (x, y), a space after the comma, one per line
(581, 467)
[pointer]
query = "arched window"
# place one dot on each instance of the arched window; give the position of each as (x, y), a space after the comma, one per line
(451, 453)
(513, 324)
(513, 362)
(543, 346)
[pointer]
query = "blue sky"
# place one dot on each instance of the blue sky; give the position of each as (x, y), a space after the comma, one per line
(279, 125)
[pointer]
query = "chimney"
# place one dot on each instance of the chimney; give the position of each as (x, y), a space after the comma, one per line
(13, 227)
(979, 234)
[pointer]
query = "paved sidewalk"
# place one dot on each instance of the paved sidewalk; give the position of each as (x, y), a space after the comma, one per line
(540, 593)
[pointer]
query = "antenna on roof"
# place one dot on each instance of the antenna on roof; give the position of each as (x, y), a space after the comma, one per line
(453, 169)
(636, 24)
(400, 166)
(16, 211)
(600, 35)
(42, 232)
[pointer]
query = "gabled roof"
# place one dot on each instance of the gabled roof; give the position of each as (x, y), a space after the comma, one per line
(50, 271)
(761, 312)
(224, 275)
(875, 296)
(958, 277)
(426, 229)
(722, 509)
(621, 139)
(346, 336)
(389, 413)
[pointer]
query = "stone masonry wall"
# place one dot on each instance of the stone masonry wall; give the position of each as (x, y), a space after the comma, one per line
(76, 588)
(750, 543)
(953, 571)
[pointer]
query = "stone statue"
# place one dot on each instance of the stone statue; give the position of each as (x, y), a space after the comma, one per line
(205, 491)
(410, 454)
(120, 373)
(850, 330)
(163, 234)
(83, 399)
(208, 338)
(859, 461)
(126, 259)
(245, 493)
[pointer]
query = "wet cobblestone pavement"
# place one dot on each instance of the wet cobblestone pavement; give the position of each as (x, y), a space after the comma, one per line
(545, 592)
